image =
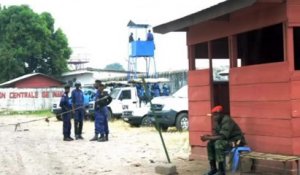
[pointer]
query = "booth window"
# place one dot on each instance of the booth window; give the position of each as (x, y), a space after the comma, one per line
(261, 46)
(297, 47)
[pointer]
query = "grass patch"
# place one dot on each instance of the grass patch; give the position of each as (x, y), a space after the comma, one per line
(38, 113)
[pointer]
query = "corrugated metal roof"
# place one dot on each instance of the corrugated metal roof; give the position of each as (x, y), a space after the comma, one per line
(78, 72)
(213, 12)
(5, 84)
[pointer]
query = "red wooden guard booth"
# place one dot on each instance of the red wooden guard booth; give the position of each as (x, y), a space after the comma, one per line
(261, 41)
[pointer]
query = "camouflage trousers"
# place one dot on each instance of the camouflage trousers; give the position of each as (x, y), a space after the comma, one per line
(216, 150)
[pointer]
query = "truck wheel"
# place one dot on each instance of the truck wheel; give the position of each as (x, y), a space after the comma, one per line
(109, 115)
(182, 122)
(146, 121)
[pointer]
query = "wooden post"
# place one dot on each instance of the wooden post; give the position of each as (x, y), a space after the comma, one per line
(211, 77)
(233, 51)
(288, 41)
(191, 57)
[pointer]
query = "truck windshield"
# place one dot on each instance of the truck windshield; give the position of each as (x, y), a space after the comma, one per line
(114, 93)
(182, 92)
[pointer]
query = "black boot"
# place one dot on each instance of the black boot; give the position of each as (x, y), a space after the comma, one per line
(80, 137)
(101, 138)
(76, 129)
(213, 168)
(106, 137)
(221, 169)
(67, 138)
(95, 138)
(80, 125)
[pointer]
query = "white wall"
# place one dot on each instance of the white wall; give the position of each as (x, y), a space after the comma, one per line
(83, 78)
(89, 78)
(21, 99)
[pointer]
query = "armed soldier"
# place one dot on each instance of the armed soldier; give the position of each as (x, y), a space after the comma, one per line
(226, 134)
(66, 107)
(102, 99)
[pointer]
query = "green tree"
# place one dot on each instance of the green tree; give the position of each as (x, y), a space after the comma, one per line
(29, 43)
(114, 66)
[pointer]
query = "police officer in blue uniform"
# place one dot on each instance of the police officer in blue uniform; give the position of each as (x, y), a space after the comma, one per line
(166, 90)
(66, 107)
(102, 99)
(78, 109)
(155, 90)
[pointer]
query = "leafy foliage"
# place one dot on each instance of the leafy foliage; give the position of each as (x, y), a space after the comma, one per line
(29, 43)
(114, 66)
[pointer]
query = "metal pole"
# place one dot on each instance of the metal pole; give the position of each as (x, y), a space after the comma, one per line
(156, 123)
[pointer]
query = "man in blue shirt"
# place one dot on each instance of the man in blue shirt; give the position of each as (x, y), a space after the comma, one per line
(66, 107)
(78, 110)
(150, 36)
(166, 90)
(155, 90)
(101, 113)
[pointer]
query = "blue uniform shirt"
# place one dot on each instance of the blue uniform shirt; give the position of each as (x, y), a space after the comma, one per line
(77, 97)
(65, 103)
(97, 97)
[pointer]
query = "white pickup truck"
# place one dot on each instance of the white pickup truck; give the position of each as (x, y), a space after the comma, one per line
(171, 110)
(122, 98)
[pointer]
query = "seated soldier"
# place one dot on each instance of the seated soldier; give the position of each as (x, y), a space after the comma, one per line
(226, 134)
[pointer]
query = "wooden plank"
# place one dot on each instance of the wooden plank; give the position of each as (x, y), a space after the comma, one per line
(296, 127)
(295, 105)
(240, 21)
(198, 153)
(261, 109)
(293, 12)
(272, 72)
(198, 77)
(268, 156)
(295, 76)
(295, 89)
(296, 146)
(199, 107)
(260, 92)
(266, 127)
(200, 123)
(200, 93)
(293, 2)
(268, 144)
(195, 138)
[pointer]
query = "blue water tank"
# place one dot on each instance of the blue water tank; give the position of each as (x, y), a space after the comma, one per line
(142, 49)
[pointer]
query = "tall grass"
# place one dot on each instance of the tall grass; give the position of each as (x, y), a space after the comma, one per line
(37, 113)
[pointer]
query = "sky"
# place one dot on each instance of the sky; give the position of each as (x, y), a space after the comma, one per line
(97, 29)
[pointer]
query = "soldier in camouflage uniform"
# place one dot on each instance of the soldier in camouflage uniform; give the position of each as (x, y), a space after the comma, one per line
(226, 134)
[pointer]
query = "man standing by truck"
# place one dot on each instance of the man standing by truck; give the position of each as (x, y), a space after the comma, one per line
(102, 99)
(78, 109)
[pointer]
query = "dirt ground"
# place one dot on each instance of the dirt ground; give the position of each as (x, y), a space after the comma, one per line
(38, 148)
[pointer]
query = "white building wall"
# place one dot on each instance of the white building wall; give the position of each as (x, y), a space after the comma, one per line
(83, 78)
(21, 99)
(90, 77)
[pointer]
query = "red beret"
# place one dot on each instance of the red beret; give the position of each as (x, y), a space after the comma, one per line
(218, 108)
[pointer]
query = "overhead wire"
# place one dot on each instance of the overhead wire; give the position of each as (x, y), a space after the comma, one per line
(18, 124)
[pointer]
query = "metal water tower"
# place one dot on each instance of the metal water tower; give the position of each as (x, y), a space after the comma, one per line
(140, 48)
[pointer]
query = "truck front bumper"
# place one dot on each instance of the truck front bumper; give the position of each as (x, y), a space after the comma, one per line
(166, 118)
